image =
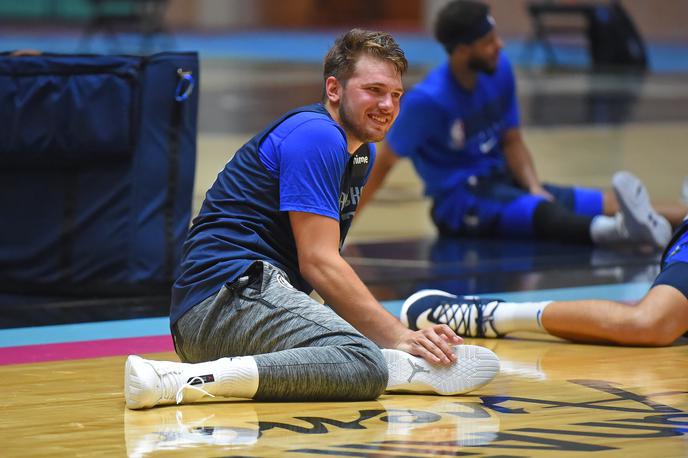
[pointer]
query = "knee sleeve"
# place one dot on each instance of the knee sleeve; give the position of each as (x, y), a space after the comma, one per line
(370, 376)
(554, 222)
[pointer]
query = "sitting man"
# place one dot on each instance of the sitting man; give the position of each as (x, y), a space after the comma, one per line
(460, 128)
(268, 233)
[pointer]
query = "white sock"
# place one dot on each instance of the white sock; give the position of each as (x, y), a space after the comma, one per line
(231, 377)
(519, 316)
(607, 229)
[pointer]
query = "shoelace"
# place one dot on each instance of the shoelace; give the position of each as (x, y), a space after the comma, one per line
(172, 378)
(455, 316)
(459, 317)
(180, 392)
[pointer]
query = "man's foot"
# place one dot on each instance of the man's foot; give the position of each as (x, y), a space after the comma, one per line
(468, 316)
(475, 367)
(643, 223)
(148, 383)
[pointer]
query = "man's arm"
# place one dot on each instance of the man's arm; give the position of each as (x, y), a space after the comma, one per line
(520, 163)
(385, 159)
(317, 242)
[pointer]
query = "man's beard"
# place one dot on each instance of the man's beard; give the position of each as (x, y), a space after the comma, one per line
(481, 65)
(354, 129)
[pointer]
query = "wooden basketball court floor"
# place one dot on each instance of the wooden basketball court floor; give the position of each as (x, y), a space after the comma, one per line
(62, 361)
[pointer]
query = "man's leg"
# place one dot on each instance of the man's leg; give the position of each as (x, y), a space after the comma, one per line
(635, 221)
(303, 351)
(497, 206)
(657, 320)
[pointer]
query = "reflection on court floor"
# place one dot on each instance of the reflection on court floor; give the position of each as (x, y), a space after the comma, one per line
(539, 404)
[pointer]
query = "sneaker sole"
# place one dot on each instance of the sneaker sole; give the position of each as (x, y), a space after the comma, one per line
(403, 315)
(634, 201)
(475, 367)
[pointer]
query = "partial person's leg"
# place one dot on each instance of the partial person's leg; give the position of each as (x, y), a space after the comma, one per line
(471, 316)
(636, 220)
(657, 320)
(497, 206)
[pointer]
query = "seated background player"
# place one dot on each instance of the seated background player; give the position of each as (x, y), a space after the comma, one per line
(460, 128)
(658, 319)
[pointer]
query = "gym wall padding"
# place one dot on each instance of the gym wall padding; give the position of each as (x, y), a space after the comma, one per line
(97, 159)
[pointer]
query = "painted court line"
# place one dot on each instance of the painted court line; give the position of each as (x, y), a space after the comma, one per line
(89, 349)
(61, 333)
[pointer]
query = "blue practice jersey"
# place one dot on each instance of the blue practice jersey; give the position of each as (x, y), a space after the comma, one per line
(450, 133)
(677, 248)
(300, 163)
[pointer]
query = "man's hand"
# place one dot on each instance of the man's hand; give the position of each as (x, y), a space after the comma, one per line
(432, 344)
(540, 191)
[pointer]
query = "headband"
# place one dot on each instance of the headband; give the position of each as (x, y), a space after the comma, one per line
(476, 31)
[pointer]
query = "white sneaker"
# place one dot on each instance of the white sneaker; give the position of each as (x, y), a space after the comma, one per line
(643, 223)
(475, 367)
(148, 383)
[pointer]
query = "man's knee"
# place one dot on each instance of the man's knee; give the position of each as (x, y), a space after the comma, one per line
(371, 376)
(647, 330)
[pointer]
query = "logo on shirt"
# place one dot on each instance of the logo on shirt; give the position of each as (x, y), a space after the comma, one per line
(487, 145)
(360, 160)
(675, 250)
(350, 198)
(457, 134)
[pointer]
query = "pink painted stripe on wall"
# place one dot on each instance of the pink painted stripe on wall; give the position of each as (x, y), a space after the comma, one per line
(85, 349)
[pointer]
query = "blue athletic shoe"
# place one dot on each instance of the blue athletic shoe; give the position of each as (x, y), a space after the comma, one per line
(468, 316)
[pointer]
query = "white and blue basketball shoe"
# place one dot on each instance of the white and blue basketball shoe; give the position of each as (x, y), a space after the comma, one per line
(468, 316)
(641, 220)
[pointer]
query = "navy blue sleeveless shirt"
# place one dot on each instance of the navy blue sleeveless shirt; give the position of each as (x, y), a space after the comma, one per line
(299, 163)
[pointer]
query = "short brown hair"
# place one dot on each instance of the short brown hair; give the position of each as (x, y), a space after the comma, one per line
(341, 59)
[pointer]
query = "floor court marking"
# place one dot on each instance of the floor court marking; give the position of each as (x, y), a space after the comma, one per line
(80, 350)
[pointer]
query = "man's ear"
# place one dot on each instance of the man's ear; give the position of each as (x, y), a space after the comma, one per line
(333, 89)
